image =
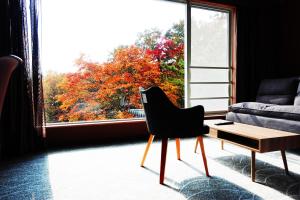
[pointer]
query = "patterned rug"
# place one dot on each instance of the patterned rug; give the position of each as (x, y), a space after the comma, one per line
(213, 188)
(219, 189)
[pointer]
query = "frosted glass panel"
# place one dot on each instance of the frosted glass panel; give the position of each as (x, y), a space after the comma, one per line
(209, 90)
(211, 104)
(209, 38)
(209, 75)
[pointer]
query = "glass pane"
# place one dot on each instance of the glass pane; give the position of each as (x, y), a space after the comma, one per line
(211, 104)
(209, 38)
(209, 90)
(96, 55)
(209, 75)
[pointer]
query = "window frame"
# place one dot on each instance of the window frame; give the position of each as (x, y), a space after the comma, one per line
(232, 53)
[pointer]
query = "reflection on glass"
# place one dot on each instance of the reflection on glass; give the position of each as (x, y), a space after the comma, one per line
(209, 38)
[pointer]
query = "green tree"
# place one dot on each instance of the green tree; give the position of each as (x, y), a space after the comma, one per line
(51, 90)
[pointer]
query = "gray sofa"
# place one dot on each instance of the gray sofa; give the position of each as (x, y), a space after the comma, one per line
(277, 106)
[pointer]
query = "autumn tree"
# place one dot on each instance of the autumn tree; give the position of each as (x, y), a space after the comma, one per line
(169, 52)
(108, 90)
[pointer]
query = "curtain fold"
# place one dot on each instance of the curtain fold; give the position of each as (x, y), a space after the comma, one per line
(37, 83)
(22, 121)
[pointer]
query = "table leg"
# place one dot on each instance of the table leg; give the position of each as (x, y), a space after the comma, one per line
(222, 144)
(196, 145)
(253, 166)
(284, 162)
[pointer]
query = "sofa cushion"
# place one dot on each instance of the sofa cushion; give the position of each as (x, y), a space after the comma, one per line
(267, 122)
(278, 91)
(297, 98)
(268, 110)
(297, 101)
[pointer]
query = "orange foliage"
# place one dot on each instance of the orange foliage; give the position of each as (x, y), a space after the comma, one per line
(98, 91)
(106, 91)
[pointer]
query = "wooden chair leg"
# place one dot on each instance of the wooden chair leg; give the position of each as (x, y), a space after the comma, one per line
(164, 145)
(200, 140)
(147, 149)
(178, 148)
(196, 146)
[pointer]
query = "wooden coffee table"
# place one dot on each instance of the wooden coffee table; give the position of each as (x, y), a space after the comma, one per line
(254, 138)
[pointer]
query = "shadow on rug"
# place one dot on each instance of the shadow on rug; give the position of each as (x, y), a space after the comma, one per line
(26, 178)
(266, 174)
(213, 188)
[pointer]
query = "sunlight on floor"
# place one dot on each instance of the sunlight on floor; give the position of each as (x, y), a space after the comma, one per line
(114, 172)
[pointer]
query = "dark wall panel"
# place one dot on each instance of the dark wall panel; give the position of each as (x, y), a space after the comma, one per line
(258, 47)
(290, 53)
(268, 43)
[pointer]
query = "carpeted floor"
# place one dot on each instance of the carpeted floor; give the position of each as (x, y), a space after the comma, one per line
(113, 172)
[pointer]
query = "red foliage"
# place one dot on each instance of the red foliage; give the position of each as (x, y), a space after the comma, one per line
(99, 91)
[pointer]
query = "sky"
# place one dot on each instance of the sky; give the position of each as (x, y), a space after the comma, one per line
(95, 27)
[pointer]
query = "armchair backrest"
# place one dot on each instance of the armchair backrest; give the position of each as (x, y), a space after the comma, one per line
(158, 108)
(7, 66)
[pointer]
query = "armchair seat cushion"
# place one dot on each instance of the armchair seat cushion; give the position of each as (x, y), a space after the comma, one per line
(289, 112)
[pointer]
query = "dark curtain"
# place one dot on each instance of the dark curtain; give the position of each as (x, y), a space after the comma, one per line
(247, 72)
(258, 47)
(22, 122)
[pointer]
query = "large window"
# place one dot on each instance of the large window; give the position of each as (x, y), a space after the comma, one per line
(96, 55)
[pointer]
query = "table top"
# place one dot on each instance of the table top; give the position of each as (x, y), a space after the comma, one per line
(249, 131)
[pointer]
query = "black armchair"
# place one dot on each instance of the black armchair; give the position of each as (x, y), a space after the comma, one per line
(165, 120)
(7, 66)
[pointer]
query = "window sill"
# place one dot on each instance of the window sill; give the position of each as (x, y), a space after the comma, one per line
(92, 123)
(86, 133)
(98, 132)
